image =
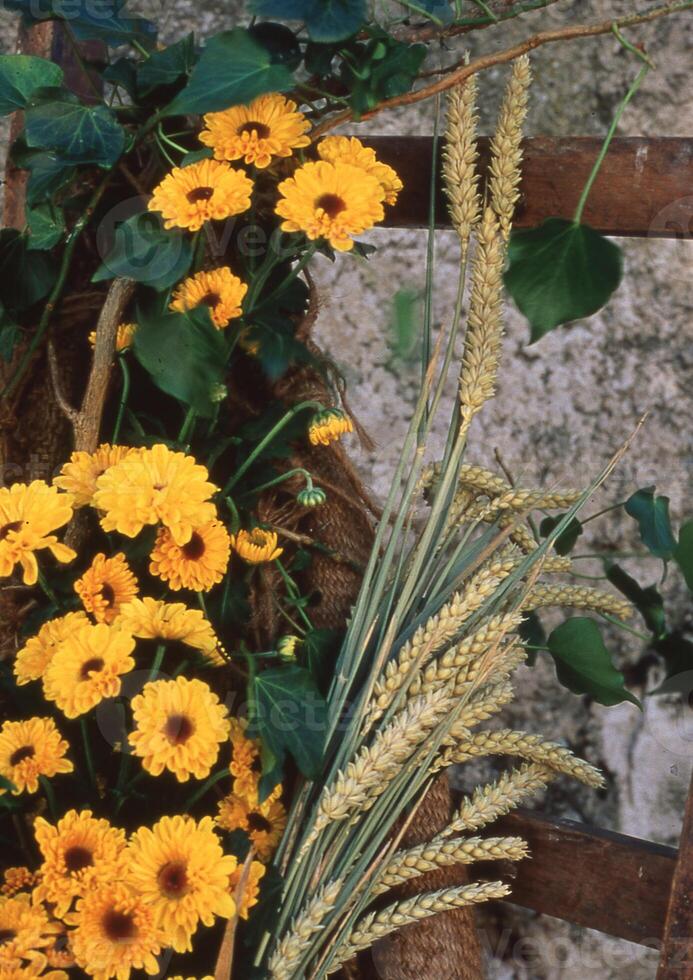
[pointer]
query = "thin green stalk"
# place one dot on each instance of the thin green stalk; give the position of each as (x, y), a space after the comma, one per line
(426, 344)
(47, 590)
(295, 272)
(281, 479)
(124, 394)
(87, 751)
(267, 439)
(50, 797)
(206, 786)
(645, 637)
(294, 592)
(417, 8)
(187, 426)
(157, 662)
(607, 142)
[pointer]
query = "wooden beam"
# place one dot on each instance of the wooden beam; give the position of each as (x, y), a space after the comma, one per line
(645, 187)
(592, 877)
(676, 962)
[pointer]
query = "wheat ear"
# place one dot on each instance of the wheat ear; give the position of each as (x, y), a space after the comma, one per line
(506, 145)
(405, 865)
(531, 747)
(482, 341)
(304, 926)
(460, 157)
(488, 803)
(577, 597)
(377, 925)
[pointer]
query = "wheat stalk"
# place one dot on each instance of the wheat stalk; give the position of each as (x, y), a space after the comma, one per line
(506, 145)
(287, 956)
(488, 803)
(460, 157)
(577, 597)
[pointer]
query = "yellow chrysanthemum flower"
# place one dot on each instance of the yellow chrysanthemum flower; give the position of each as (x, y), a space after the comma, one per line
(124, 336)
(328, 426)
(256, 546)
(25, 932)
(106, 586)
(32, 660)
(346, 149)
(179, 726)
(59, 953)
(154, 619)
(28, 515)
(264, 823)
(16, 880)
(181, 871)
(79, 853)
(219, 290)
(115, 933)
(251, 889)
(79, 476)
(334, 201)
(199, 564)
(29, 749)
(204, 191)
(87, 667)
(30, 972)
(152, 486)
(269, 127)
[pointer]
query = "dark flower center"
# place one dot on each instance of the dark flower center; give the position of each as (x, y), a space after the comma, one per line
(91, 666)
(108, 594)
(6, 935)
(19, 755)
(210, 299)
(199, 194)
(6, 528)
(257, 822)
(172, 879)
(178, 729)
(195, 548)
(119, 925)
(261, 129)
(332, 204)
(77, 858)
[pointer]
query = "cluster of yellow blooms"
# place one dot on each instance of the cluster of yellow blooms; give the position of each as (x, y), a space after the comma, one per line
(340, 195)
(110, 904)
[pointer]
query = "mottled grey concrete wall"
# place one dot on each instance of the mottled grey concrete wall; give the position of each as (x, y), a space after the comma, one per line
(564, 405)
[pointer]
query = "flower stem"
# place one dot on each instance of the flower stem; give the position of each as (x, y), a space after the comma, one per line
(50, 796)
(89, 758)
(607, 142)
(188, 425)
(157, 662)
(295, 271)
(280, 479)
(125, 391)
(207, 785)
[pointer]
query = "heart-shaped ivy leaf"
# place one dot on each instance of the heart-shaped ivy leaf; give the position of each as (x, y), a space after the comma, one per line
(76, 133)
(20, 76)
(652, 515)
(684, 552)
(561, 271)
(326, 20)
(583, 663)
(232, 70)
(144, 251)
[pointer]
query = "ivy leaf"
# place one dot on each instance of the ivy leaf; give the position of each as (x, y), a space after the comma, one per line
(20, 76)
(326, 20)
(46, 226)
(185, 355)
(531, 632)
(48, 173)
(102, 21)
(561, 271)
(290, 715)
(76, 133)
(320, 650)
(166, 67)
(233, 69)
(677, 653)
(683, 554)
(123, 72)
(145, 251)
(25, 277)
(566, 540)
(281, 43)
(583, 664)
(648, 601)
(652, 515)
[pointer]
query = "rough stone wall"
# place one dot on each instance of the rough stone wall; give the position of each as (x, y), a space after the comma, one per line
(564, 405)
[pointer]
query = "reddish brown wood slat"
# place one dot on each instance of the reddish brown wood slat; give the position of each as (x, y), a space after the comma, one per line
(676, 962)
(645, 187)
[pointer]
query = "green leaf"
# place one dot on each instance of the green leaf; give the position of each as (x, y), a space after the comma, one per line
(76, 133)
(561, 271)
(281, 43)
(46, 226)
(206, 153)
(683, 553)
(677, 653)
(652, 515)
(566, 540)
(648, 601)
(320, 651)
(25, 277)
(583, 664)
(145, 251)
(185, 355)
(48, 173)
(123, 72)
(168, 66)
(20, 76)
(326, 20)
(531, 632)
(289, 714)
(89, 20)
(233, 69)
